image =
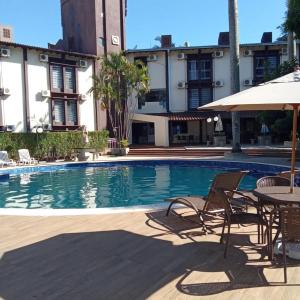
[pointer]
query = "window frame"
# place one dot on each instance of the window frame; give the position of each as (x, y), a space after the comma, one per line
(65, 94)
(263, 54)
(66, 124)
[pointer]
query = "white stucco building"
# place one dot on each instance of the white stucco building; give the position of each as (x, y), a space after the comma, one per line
(44, 87)
(184, 78)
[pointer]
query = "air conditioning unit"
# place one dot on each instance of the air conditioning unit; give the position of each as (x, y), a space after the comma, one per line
(46, 94)
(10, 128)
(44, 57)
(4, 92)
(83, 97)
(4, 52)
(248, 82)
(248, 52)
(284, 51)
(180, 56)
(152, 57)
(181, 85)
(218, 83)
(218, 53)
(83, 63)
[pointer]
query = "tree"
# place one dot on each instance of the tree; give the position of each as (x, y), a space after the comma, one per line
(115, 84)
(292, 22)
(234, 69)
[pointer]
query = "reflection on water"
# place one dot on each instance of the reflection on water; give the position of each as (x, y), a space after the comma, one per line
(108, 186)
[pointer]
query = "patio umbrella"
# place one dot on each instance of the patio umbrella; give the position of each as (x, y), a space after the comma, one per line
(219, 125)
(282, 93)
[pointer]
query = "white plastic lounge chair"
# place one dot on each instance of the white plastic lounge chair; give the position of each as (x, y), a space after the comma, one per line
(24, 157)
(5, 161)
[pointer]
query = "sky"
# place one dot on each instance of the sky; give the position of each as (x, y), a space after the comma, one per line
(37, 22)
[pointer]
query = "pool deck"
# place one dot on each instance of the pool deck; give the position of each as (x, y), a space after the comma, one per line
(138, 255)
(135, 255)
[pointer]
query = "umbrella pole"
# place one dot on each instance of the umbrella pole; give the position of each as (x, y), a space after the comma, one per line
(294, 138)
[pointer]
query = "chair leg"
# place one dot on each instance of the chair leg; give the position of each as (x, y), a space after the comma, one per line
(222, 234)
(202, 222)
(169, 208)
(227, 241)
(284, 260)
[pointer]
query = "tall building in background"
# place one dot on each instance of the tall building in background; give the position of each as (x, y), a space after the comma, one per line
(93, 26)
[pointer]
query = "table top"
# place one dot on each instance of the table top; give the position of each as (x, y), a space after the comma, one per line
(278, 195)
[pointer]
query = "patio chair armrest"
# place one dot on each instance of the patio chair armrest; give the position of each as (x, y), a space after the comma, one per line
(246, 199)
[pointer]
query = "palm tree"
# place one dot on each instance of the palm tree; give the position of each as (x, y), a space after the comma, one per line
(234, 69)
(292, 22)
(114, 85)
(292, 25)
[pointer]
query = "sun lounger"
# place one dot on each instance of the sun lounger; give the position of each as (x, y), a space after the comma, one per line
(5, 161)
(211, 204)
(25, 158)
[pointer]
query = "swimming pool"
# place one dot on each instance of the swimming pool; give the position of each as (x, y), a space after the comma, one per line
(117, 184)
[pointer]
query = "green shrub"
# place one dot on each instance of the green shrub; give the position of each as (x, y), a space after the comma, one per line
(48, 145)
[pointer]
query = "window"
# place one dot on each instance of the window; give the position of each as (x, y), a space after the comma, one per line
(199, 69)
(101, 42)
(264, 63)
(142, 59)
(159, 95)
(65, 112)
(192, 70)
(198, 97)
(179, 127)
(63, 79)
(6, 33)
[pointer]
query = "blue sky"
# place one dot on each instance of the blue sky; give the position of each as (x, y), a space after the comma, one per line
(37, 22)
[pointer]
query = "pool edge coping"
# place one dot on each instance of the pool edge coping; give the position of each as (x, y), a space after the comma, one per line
(110, 210)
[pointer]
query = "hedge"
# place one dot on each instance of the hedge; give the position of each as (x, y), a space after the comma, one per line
(51, 145)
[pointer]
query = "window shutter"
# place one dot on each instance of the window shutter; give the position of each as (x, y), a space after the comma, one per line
(193, 98)
(56, 78)
(69, 80)
(59, 112)
(72, 117)
(205, 96)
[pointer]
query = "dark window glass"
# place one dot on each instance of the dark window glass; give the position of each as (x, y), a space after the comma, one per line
(101, 42)
(199, 69)
(179, 127)
(6, 33)
(193, 70)
(264, 65)
(198, 97)
(153, 96)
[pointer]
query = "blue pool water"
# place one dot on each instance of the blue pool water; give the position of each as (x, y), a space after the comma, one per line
(112, 185)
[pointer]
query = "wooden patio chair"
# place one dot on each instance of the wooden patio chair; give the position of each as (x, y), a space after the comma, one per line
(210, 204)
(289, 219)
(237, 217)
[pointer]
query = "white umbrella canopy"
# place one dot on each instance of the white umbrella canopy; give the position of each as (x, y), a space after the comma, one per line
(282, 93)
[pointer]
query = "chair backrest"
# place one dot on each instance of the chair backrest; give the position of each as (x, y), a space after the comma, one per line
(272, 181)
(287, 174)
(24, 155)
(290, 223)
(228, 181)
(4, 156)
